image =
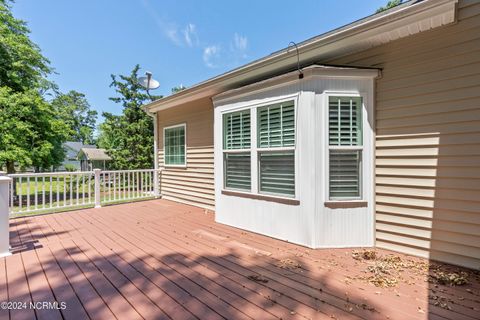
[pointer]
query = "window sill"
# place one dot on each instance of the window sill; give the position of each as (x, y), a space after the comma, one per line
(348, 204)
(288, 201)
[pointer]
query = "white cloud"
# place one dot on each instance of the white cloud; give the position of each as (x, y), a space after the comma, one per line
(211, 54)
(240, 42)
(180, 37)
(172, 33)
(190, 35)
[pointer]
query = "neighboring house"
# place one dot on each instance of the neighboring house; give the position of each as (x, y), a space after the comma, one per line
(93, 158)
(375, 142)
(72, 148)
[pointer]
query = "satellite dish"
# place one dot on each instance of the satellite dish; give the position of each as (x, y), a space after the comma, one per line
(147, 82)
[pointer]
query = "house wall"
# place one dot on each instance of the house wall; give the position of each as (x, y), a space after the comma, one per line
(428, 140)
(194, 183)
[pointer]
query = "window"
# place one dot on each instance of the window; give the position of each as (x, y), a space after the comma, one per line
(276, 149)
(276, 125)
(236, 150)
(345, 147)
(277, 173)
(236, 128)
(237, 170)
(174, 145)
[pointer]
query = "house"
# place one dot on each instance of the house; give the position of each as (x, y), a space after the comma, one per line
(93, 158)
(71, 151)
(369, 136)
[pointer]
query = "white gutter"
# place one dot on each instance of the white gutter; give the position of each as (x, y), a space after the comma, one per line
(404, 20)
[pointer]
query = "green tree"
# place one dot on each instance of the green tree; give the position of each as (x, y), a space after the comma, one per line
(22, 65)
(108, 132)
(128, 137)
(389, 5)
(30, 132)
(74, 109)
(178, 88)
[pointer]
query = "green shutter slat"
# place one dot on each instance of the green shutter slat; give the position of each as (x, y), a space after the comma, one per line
(237, 170)
(277, 173)
(236, 128)
(276, 125)
(344, 175)
(345, 123)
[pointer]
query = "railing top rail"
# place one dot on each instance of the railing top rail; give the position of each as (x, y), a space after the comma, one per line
(133, 170)
(49, 174)
(63, 173)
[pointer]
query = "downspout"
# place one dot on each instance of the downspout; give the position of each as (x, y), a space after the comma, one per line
(156, 180)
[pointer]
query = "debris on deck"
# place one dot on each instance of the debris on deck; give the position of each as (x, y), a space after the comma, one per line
(387, 270)
(288, 264)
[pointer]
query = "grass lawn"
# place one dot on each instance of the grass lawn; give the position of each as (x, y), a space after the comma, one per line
(57, 183)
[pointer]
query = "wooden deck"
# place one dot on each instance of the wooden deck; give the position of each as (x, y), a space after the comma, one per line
(160, 260)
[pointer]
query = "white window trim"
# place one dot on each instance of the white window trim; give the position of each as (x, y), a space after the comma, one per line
(184, 125)
(254, 149)
(355, 94)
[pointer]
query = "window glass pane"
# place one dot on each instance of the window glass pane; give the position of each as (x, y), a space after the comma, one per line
(276, 125)
(345, 121)
(237, 170)
(236, 130)
(277, 173)
(345, 175)
(175, 146)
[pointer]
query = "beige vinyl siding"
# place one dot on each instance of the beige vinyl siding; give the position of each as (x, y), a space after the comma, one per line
(192, 184)
(428, 140)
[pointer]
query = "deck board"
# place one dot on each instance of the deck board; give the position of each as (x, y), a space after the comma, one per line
(164, 260)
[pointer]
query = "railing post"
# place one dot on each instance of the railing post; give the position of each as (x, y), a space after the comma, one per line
(4, 216)
(97, 188)
(156, 186)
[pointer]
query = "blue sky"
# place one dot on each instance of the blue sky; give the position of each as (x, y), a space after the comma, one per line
(181, 42)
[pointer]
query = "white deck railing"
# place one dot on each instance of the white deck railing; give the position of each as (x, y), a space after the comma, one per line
(123, 185)
(52, 191)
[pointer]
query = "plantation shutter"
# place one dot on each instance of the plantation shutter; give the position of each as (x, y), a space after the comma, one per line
(277, 173)
(237, 170)
(345, 131)
(276, 125)
(236, 136)
(345, 174)
(345, 121)
(175, 146)
(236, 130)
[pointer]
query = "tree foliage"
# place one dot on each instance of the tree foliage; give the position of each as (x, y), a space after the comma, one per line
(178, 88)
(128, 137)
(74, 110)
(22, 65)
(30, 132)
(389, 5)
